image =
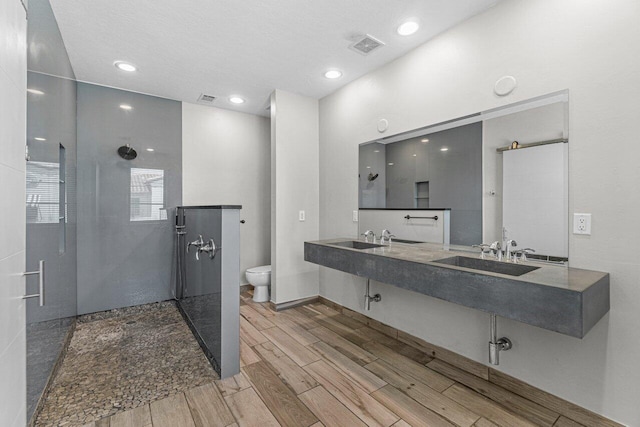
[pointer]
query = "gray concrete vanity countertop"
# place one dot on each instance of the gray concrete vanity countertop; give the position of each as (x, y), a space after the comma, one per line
(565, 300)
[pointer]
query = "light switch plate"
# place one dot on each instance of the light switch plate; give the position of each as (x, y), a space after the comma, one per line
(301, 216)
(582, 223)
(354, 216)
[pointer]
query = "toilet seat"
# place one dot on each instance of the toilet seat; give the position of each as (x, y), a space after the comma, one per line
(263, 269)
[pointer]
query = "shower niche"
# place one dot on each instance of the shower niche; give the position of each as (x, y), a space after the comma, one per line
(207, 280)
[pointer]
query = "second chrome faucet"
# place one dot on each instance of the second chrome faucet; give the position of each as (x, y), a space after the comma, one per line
(385, 236)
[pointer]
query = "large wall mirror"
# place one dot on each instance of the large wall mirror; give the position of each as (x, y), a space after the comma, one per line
(502, 173)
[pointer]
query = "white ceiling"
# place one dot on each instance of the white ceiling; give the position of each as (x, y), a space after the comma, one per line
(183, 48)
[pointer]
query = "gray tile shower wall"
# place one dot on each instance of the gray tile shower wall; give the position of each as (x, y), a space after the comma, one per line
(125, 252)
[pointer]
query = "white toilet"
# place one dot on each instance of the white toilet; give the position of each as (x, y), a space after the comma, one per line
(260, 278)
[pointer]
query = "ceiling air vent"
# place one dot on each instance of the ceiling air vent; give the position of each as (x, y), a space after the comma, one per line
(206, 99)
(366, 45)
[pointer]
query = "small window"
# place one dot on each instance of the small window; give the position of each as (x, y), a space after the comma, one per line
(147, 195)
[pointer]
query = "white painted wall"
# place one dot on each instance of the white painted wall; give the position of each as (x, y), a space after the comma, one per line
(294, 187)
(226, 160)
(13, 114)
(589, 48)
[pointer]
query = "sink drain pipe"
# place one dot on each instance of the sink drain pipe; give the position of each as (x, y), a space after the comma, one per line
(497, 345)
(368, 298)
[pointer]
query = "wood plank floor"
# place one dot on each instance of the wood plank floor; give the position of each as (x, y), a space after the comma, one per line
(312, 366)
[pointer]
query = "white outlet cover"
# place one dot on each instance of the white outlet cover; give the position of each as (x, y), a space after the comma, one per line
(355, 216)
(301, 216)
(582, 223)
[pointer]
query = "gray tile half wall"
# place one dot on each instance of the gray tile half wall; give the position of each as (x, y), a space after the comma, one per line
(123, 262)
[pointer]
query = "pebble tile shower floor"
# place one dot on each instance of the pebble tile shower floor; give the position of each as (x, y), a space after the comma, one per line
(123, 359)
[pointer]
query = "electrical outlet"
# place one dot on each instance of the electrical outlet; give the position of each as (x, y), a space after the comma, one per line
(301, 216)
(582, 223)
(354, 216)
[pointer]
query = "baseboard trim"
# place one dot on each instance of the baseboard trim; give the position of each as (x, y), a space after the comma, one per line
(291, 304)
(563, 407)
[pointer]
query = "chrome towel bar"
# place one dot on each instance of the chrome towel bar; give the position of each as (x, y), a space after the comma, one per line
(40, 273)
(435, 217)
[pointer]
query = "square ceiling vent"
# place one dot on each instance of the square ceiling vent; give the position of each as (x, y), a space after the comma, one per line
(206, 99)
(366, 45)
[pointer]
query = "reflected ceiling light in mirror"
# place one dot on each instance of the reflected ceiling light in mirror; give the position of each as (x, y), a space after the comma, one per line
(408, 28)
(35, 91)
(39, 138)
(390, 164)
(126, 107)
(376, 151)
(415, 155)
(368, 167)
(333, 74)
(151, 150)
(125, 66)
(444, 149)
(425, 140)
(236, 100)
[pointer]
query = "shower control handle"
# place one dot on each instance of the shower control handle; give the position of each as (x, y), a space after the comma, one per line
(209, 248)
(197, 243)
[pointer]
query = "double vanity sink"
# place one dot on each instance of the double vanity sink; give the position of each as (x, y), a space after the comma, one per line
(565, 300)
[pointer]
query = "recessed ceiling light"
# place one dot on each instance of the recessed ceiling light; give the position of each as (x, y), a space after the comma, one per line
(150, 150)
(39, 138)
(444, 149)
(126, 107)
(35, 91)
(408, 28)
(424, 140)
(376, 151)
(236, 100)
(333, 74)
(390, 164)
(368, 167)
(125, 66)
(415, 155)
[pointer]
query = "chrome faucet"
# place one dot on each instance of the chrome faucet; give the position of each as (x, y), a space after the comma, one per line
(198, 243)
(523, 254)
(510, 245)
(484, 248)
(496, 248)
(368, 233)
(210, 248)
(386, 234)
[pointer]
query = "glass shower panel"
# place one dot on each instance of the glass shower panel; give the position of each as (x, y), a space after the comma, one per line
(51, 224)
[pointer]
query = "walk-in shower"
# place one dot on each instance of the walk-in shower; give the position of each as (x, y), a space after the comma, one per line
(207, 277)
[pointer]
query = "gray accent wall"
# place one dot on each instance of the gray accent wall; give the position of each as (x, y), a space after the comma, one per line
(124, 262)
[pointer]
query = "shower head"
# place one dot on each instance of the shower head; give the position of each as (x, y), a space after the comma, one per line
(127, 153)
(372, 177)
